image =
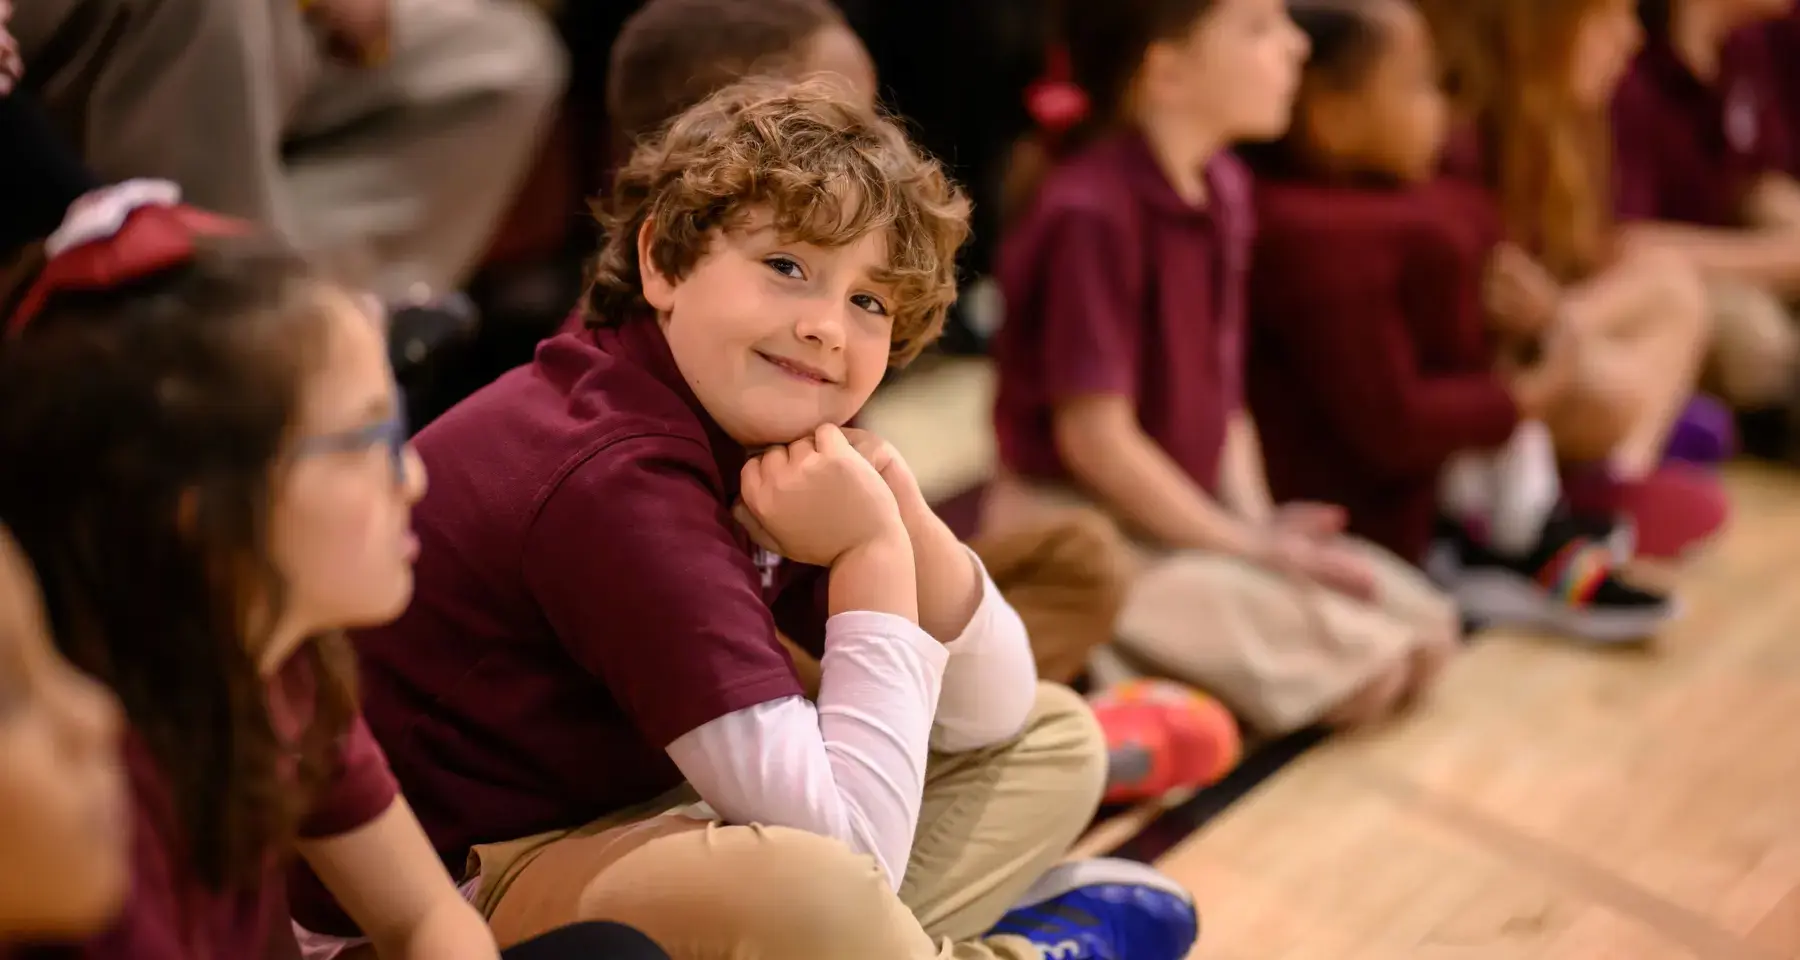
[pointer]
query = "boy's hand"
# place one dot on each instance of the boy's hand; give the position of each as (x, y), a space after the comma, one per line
(1538, 389)
(817, 499)
(893, 469)
(12, 63)
(1519, 294)
(1303, 540)
(1316, 520)
(358, 32)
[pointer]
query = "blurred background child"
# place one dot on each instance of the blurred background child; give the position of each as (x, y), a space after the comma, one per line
(1703, 147)
(1372, 374)
(1121, 363)
(1530, 82)
(237, 494)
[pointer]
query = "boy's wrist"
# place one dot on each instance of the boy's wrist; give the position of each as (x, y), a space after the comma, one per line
(877, 575)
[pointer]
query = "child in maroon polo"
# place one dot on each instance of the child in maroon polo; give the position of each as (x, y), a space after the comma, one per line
(1060, 574)
(1702, 149)
(1121, 363)
(616, 531)
(1373, 373)
(1530, 82)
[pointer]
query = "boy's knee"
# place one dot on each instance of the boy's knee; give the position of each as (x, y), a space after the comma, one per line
(755, 892)
(1091, 544)
(1755, 344)
(1063, 739)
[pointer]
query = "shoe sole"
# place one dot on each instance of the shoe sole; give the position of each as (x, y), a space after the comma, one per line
(1507, 599)
(1097, 873)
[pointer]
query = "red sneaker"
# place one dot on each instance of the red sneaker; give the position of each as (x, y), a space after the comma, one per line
(1163, 736)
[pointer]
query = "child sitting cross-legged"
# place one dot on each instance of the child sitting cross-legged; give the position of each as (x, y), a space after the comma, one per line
(1372, 374)
(587, 701)
(1062, 574)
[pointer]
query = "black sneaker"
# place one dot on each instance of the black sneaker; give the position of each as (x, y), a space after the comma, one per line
(1568, 584)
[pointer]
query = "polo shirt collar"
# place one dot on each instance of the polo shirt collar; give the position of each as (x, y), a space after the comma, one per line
(641, 339)
(1147, 180)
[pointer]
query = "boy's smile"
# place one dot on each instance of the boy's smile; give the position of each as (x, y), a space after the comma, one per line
(798, 369)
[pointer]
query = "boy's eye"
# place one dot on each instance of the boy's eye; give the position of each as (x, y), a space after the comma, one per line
(786, 267)
(870, 304)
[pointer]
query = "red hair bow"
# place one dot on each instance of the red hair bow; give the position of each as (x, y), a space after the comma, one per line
(116, 235)
(1054, 100)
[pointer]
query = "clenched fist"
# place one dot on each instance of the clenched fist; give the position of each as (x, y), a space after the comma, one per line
(816, 499)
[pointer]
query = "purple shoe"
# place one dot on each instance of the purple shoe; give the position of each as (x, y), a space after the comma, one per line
(1703, 435)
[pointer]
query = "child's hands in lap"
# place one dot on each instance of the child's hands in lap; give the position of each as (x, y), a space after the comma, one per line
(816, 499)
(1520, 295)
(1305, 540)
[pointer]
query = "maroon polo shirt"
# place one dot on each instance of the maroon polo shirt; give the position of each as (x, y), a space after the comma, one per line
(1783, 39)
(1687, 151)
(170, 914)
(583, 598)
(1116, 285)
(1370, 363)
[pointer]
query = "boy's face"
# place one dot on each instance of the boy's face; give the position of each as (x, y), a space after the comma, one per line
(1236, 73)
(777, 337)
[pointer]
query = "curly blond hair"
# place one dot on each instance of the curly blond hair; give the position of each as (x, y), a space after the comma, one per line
(827, 170)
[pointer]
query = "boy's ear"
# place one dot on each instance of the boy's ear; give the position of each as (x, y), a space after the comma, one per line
(659, 290)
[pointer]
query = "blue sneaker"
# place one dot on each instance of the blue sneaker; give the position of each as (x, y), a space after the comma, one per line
(1105, 910)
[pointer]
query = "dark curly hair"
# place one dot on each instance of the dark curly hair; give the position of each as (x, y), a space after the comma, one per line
(143, 429)
(830, 171)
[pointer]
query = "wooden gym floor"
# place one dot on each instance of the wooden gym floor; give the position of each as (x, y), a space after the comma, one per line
(1550, 802)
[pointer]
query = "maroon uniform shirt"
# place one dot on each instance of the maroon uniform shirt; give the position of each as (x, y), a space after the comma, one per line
(1116, 285)
(1689, 151)
(171, 915)
(1370, 364)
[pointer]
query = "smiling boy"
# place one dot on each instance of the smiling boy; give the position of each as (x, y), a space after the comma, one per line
(593, 642)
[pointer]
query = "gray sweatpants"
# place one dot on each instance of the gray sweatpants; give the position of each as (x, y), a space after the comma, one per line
(404, 169)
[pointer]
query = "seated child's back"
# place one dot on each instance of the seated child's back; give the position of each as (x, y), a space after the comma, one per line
(1370, 364)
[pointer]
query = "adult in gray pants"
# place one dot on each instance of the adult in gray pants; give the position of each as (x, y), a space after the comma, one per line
(403, 154)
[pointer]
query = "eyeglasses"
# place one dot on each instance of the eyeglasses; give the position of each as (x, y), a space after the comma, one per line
(391, 433)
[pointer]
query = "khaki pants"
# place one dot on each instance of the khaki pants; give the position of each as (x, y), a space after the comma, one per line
(408, 166)
(1279, 652)
(1755, 348)
(992, 823)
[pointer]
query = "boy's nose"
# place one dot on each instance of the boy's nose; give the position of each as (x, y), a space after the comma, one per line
(821, 324)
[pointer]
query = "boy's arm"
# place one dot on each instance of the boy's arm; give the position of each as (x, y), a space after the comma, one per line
(1243, 480)
(1099, 438)
(1767, 258)
(641, 572)
(990, 681)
